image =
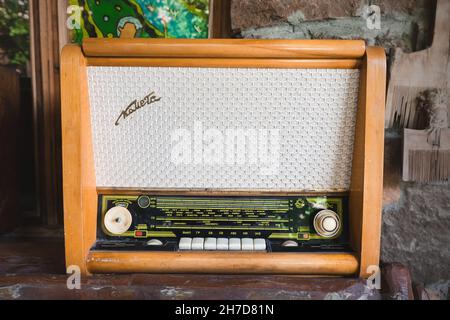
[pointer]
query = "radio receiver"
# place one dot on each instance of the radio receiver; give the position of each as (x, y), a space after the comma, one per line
(223, 156)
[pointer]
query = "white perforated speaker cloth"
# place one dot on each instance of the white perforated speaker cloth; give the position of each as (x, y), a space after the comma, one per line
(295, 127)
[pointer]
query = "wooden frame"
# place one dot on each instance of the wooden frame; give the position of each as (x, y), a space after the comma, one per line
(48, 35)
(220, 19)
(80, 193)
(10, 151)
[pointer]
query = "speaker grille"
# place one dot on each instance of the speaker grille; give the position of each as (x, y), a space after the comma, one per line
(295, 127)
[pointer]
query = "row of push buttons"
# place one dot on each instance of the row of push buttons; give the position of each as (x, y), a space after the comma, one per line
(233, 244)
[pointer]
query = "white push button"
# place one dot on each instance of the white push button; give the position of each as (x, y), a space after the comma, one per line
(185, 244)
(222, 244)
(154, 242)
(247, 244)
(197, 243)
(259, 244)
(210, 244)
(234, 244)
(289, 243)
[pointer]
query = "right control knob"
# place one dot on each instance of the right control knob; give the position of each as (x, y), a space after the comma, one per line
(327, 223)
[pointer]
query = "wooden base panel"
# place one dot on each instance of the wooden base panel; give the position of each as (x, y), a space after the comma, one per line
(343, 264)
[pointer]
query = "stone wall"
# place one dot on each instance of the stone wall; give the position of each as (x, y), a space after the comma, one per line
(416, 223)
(405, 23)
(416, 217)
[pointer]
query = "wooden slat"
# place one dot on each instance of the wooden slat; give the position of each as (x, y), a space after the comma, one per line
(46, 118)
(80, 197)
(220, 19)
(63, 31)
(36, 82)
(9, 153)
(227, 63)
(225, 48)
(223, 262)
(217, 192)
(367, 171)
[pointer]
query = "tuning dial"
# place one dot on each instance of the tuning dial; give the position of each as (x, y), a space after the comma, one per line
(117, 220)
(327, 223)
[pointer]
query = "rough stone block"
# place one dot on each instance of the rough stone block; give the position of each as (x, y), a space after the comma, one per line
(404, 23)
(256, 13)
(262, 13)
(415, 231)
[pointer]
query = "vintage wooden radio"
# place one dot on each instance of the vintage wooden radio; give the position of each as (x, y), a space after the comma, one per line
(223, 156)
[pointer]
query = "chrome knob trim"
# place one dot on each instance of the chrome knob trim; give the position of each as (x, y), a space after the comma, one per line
(327, 223)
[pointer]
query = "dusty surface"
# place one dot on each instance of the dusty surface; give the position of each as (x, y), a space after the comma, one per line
(34, 269)
(184, 287)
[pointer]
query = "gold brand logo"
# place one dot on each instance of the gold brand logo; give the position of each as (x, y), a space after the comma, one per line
(136, 105)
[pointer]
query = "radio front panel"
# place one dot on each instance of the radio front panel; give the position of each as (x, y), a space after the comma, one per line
(223, 128)
(199, 223)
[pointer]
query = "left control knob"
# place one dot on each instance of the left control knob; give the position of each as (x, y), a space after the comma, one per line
(117, 220)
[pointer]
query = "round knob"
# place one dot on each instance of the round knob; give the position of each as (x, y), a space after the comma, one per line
(327, 223)
(143, 202)
(117, 220)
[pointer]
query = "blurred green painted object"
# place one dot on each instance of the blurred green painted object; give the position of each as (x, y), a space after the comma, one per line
(139, 19)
